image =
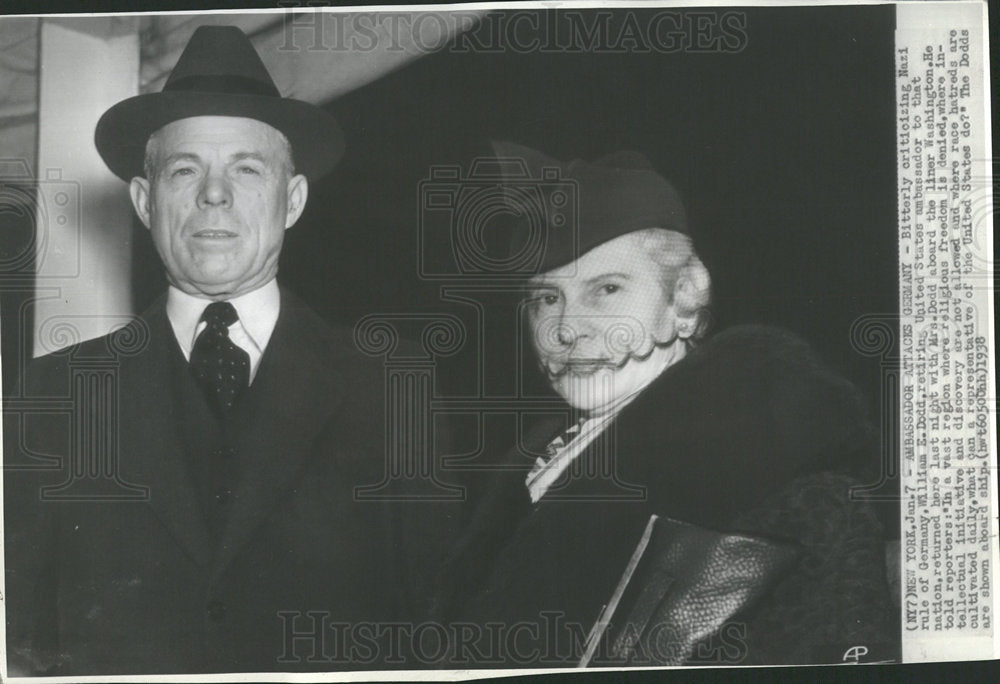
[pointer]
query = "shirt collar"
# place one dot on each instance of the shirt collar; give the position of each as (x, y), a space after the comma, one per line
(258, 312)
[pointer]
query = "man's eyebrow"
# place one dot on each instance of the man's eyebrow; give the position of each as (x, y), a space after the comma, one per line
(191, 156)
(240, 156)
(181, 156)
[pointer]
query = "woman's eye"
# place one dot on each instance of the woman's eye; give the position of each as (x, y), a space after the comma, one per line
(543, 299)
(610, 288)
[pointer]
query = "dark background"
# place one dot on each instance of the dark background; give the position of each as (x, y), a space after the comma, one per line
(784, 154)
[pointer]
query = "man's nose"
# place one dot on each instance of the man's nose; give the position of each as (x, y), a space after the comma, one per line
(215, 191)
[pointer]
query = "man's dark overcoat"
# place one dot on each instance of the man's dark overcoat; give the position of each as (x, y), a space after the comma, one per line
(749, 433)
(170, 584)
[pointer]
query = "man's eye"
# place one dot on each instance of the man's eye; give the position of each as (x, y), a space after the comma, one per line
(182, 171)
(248, 170)
(609, 288)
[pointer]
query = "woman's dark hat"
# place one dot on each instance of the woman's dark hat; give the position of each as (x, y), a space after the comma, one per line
(218, 74)
(614, 195)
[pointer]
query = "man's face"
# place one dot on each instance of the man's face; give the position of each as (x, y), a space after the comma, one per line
(218, 203)
(596, 323)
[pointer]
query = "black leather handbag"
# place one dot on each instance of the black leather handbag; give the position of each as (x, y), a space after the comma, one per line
(681, 586)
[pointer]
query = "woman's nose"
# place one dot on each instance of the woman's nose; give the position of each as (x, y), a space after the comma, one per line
(564, 332)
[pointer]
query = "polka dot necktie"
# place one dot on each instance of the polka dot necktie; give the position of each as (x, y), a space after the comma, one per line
(220, 367)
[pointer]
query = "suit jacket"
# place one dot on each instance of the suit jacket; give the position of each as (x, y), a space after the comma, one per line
(750, 434)
(105, 577)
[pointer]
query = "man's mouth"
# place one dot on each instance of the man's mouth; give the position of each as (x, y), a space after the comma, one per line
(215, 234)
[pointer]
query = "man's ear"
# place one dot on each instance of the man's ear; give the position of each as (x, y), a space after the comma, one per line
(298, 193)
(139, 191)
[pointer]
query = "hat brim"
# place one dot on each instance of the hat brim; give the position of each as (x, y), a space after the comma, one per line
(316, 138)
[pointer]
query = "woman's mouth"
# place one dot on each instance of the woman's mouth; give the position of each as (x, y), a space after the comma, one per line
(581, 367)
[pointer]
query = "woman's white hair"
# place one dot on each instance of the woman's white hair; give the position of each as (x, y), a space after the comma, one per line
(685, 279)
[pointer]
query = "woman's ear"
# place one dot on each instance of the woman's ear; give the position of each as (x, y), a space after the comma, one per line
(686, 325)
(690, 300)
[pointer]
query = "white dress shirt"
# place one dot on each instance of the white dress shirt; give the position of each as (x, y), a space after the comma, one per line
(257, 311)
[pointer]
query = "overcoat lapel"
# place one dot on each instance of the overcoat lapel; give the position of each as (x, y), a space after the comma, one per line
(505, 507)
(298, 393)
(148, 426)
(614, 468)
(676, 440)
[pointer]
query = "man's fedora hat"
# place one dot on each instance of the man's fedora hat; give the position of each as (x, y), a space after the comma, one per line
(218, 74)
(617, 194)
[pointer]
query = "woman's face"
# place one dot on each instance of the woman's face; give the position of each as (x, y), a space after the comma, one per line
(602, 324)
